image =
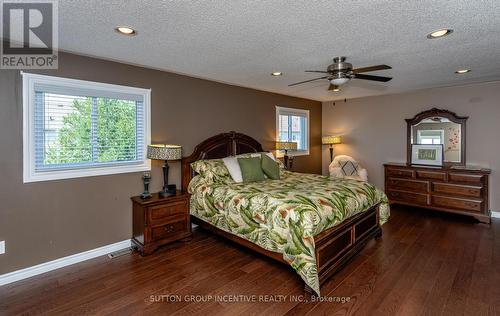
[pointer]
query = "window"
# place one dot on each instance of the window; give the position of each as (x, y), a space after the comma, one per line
(293, 125)
(430, 137)
(75, 128)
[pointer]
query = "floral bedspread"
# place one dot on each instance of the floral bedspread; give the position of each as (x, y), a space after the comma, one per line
(284, 215)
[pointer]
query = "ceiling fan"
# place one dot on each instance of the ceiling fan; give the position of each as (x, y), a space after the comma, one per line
(340, 72)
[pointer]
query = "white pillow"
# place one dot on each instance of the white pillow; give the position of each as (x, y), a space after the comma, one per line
(234, 168)
(270, 155)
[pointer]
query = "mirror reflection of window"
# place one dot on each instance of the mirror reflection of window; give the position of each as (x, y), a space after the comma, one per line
(430, 137)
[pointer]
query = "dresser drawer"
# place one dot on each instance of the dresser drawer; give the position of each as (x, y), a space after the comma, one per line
(170, 230)
(468, 178)
(161, 213)
(457, 189)
(412, 185)
(400, 173)
(408, 197)
(431, 175)
(457, 203)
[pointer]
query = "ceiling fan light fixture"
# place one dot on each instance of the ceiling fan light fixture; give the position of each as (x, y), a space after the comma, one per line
(336, 90)
(439, 33)
(339, 81)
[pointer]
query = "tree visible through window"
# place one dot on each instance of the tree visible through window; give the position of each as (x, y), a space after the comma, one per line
(88, 129)
(75, 128)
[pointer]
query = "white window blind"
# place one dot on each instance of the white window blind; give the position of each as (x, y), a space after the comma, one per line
(292, 125)
(79, 128)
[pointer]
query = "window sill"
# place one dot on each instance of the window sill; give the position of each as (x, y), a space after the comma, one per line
(81, 173)
(299, 153)
(293, 154)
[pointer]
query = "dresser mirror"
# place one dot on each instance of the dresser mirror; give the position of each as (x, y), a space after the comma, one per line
(435, 127)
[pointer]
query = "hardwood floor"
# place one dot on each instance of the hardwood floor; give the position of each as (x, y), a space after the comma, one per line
(425, 264)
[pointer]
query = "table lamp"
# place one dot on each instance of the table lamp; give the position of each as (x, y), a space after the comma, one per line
(286, 146)
(167, 153)
(331, 140)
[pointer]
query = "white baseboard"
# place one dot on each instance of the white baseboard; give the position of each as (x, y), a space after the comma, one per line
(495, 214)
(62, 262)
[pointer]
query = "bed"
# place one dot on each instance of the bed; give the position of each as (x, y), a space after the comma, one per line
(307, 221)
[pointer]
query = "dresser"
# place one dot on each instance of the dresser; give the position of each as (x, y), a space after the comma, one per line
(159, 221)
(459, 190)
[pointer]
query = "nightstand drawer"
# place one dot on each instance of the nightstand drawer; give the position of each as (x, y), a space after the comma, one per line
(171, 230)
(161, 213)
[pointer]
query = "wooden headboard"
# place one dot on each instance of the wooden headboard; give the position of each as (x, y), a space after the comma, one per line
(218, 146)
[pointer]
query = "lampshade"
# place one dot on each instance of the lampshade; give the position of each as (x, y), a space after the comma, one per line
(164, 152)
(331, 140)
(286, 145)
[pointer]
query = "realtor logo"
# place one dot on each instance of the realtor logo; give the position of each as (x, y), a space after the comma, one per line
(29, 34)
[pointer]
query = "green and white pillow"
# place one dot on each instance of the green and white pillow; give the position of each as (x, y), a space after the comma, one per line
(213, 170)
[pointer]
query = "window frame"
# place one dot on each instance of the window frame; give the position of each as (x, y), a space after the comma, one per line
(29, 172)
(300, 112)
(441, 135)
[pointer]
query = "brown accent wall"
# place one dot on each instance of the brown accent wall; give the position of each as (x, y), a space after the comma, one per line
(48, 220)
(375, 130)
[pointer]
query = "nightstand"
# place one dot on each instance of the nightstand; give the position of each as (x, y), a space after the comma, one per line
(158, 221)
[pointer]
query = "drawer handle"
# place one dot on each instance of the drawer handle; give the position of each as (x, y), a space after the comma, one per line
(169, 228)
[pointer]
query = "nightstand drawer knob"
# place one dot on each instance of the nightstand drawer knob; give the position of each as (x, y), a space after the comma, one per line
(169, 228)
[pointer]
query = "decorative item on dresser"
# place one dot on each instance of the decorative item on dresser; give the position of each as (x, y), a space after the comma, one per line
(459, 190)
(331, 140)
(166, 153)
(146, 179)
(427, 155)
(158, 221)
(286, 146)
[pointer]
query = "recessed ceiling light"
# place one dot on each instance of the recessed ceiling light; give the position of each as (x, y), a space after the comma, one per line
(125, 30)
(439, 33)
(276, 73)
(462, 71)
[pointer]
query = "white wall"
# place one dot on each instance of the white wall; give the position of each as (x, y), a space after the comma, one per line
(374, 128)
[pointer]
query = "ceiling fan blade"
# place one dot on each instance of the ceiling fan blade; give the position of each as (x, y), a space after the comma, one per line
(294, 84)
(371, 68)
(370, 77)
(332, 87)
(318, 71)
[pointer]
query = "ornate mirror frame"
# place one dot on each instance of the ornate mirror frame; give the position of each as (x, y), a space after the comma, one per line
(442, 113)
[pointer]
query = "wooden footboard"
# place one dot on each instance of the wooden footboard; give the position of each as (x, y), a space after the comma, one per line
(334, 246)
